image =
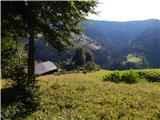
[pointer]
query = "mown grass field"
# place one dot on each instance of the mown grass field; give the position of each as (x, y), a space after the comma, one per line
(78, 96)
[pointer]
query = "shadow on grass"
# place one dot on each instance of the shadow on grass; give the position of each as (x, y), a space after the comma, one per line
(17, 102)
(8, 96)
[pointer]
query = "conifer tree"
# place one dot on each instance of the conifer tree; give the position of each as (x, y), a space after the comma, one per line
(79, 57)
(57, 21)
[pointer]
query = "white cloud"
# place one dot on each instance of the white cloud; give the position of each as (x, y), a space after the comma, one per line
(124, 10)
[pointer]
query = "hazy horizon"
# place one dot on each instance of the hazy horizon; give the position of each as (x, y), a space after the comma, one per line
(124, 21)
(126, 10)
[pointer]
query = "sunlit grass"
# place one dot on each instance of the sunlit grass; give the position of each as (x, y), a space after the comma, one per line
(134, 59)
(87, 97)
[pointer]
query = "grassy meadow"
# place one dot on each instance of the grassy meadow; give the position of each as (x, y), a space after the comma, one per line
(134, 59)
(78, 96)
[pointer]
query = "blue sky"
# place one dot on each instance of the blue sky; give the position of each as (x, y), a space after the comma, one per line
(126, 10)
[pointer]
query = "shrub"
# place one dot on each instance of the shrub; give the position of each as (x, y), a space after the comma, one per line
(158, 115)
(127, 77)
(84, 72)
(150, 76)
(113, 77)
(90, 66)
(23, 94)
(11, 111)
(63, 71)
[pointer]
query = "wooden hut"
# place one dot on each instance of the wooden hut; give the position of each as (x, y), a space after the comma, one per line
(45, 68)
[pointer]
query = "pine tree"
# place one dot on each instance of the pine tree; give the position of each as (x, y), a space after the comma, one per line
(90, 63)
(79, 57)
(89, 56)
(56, 20)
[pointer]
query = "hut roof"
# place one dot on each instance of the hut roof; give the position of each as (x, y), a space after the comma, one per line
(44, 67)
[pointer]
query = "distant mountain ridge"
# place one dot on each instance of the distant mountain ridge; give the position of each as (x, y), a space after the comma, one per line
(111, 42)
(148, 43)
(116, 32)
(122, 38)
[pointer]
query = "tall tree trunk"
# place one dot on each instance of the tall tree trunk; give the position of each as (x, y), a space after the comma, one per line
(29, 18)
(31, 77)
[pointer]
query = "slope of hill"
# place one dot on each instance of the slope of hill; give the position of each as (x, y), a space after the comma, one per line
(46, 52)
(123, 38)
(148, 44)
(111, 42)
(116, 32)
(85, 96)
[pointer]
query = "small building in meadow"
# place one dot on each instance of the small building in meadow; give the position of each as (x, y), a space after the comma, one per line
(45, 68)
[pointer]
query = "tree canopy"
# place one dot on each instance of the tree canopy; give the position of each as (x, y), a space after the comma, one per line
(89, 56)
(56, 21)
(79, 57)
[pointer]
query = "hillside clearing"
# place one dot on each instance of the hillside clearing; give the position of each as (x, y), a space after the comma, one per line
(86, 97)
(134, 59)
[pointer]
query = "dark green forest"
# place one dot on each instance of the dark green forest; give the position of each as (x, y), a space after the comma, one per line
(111, 43)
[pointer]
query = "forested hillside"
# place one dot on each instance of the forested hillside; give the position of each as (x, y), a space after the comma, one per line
(111, 43)
(148, 45)
(136, 37)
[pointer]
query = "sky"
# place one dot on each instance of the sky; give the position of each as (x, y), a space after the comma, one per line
(127, 10)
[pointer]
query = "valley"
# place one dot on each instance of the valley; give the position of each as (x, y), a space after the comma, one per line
(111, 42)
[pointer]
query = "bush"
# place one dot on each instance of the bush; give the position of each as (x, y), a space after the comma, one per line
(90, 66)
(133, 77)
(113, 77)
(22, 98)
(150, 76)
(19, 76)
(127, 77)
(11, 111)
(84, 72)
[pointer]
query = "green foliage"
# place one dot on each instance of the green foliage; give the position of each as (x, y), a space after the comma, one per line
(90, 66)
(131, 76)
(113, 77)
(13, 54)
(79, 57)
(158, 115)
(21, 98)
(10, 112)
(89, 57)
(18, 102)
(8, 56)
(56, 20)
(151, 76)
(127, 77)
(84, 59)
